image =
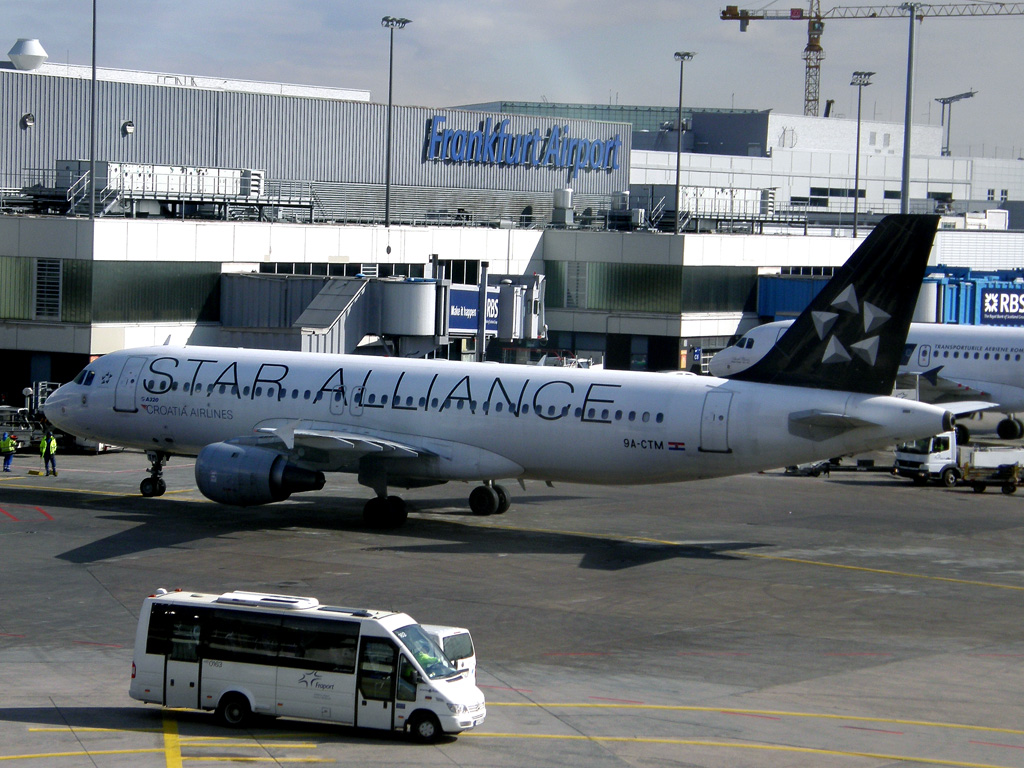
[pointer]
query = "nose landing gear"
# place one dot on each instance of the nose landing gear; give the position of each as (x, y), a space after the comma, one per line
(154, 485)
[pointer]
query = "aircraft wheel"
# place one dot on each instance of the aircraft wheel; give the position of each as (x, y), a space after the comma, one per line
(380, 512)
(1009, 429)
(161, 488)
(948, 477)
(483, 500)
(504, 500)
(963, 434)
(148, 487)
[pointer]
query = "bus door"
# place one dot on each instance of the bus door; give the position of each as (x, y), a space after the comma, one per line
(181, 669)
(375, 686)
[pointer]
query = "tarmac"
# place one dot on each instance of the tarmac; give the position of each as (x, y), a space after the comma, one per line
(761, 620)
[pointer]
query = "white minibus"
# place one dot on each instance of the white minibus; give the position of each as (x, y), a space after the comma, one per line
(248, 652)
(457, 644)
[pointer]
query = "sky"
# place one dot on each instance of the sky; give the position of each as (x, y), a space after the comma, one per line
(594, 51)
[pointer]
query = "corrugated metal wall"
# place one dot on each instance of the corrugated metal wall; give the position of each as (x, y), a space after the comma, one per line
(291, 138)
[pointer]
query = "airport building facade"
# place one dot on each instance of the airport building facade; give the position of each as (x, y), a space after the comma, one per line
(520, 193)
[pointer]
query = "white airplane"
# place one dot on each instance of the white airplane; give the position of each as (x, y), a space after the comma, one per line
(264, 424)
(966, 368)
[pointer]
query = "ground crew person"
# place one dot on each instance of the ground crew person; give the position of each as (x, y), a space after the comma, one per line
(48, 448)
(7, 447)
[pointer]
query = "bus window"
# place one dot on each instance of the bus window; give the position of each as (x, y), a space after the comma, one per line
(407, 675)
(325, 644)
(174, 632)
(237, 636)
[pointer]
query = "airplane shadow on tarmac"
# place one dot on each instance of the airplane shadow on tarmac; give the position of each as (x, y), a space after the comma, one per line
(172, 523)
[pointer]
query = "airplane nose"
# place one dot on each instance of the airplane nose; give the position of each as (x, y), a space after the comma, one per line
(55, 405)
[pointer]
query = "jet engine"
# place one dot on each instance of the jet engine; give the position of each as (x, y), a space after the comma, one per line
(245, 475)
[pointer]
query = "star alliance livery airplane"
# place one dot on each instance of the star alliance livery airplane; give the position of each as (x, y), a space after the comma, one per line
(264, 424)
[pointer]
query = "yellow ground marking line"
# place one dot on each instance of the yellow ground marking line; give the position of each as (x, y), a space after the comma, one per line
(731, 745)
(77, 490)
(49, 755)
(212, 744)
(76, 729)
(172, 743)
(769, 712)
(745, 553)
(270, 760)
(883, 571)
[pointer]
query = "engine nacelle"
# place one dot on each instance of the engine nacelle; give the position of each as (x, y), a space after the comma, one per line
(245, 475)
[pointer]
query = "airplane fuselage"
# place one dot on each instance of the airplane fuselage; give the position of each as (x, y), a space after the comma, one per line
(474, 420)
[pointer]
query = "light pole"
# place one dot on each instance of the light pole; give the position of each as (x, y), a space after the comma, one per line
(682, 57)
(860, 79)
(908, 114)
(391, 23)
(92, 123)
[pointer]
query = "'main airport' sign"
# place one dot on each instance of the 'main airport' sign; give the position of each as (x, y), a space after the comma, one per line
(494, 145)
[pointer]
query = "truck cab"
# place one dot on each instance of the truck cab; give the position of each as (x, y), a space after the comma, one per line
(930, 458)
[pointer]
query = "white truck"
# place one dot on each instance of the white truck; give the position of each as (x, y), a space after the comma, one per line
(940, 459)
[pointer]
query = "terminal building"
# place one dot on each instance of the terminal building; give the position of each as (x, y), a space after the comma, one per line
(213, 198)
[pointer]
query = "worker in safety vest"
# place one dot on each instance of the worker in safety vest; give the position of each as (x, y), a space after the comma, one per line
(8, 445)
(48, 448)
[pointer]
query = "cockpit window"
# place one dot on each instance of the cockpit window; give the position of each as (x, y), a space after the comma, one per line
(85, 377)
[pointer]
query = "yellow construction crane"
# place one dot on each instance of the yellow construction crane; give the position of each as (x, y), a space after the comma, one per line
(814, 53)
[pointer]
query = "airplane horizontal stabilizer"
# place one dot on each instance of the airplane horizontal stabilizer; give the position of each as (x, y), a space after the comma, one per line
(852, 335)
(822, 425)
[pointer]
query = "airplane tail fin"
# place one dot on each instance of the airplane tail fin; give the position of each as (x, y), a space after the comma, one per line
(852, 334)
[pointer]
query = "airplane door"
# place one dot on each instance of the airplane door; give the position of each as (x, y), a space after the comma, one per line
(181, 670)
(375, 687)
(124, 395)
(337, 402)
(714, 422)
(924, 355)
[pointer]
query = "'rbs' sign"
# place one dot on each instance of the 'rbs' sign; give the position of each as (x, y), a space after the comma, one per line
(493, 144)
(1002, 306)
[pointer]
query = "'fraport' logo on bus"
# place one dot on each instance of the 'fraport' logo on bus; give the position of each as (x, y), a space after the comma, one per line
(313, 680)
(493, 144)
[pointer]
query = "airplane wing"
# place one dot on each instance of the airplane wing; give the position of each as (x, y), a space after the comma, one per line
(329, 449)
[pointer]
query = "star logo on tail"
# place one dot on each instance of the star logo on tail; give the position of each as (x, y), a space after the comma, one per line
(865, 349)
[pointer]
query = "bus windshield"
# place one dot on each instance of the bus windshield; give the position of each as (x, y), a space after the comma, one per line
(426, 652)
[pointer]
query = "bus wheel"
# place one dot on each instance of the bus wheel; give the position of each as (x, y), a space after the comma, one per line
(424, 727)
(234, 710)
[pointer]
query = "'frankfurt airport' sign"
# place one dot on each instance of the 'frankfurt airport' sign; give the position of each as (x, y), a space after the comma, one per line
(492, 144)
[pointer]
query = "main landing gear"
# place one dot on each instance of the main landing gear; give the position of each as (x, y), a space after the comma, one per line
(1010, 428)
(384, 511)
(154, 485)
(489, 499)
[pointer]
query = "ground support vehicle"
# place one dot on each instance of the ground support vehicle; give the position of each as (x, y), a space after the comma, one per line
(457, 644)
(244, 653)
(942, 460)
